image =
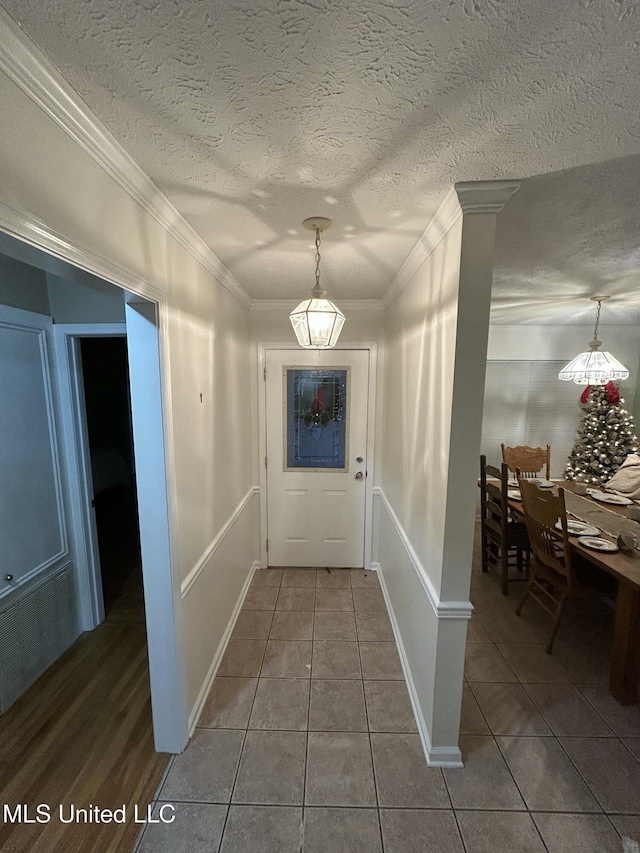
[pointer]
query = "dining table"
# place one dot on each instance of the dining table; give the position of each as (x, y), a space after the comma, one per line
(623, 565)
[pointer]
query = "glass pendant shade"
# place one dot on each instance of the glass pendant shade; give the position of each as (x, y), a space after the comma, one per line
(594, 367)
(317, 323)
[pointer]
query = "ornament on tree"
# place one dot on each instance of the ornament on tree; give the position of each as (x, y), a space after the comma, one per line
(606, 436)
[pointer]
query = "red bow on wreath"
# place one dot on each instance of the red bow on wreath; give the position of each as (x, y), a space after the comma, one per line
(612, 393)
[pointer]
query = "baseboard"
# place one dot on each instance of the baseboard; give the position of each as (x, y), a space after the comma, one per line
(194, 716)
(436, 756)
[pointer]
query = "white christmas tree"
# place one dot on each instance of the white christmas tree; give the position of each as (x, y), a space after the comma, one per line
(606, 436)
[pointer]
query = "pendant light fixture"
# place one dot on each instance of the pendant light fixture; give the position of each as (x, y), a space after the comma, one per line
(317, 322)
(594, 367)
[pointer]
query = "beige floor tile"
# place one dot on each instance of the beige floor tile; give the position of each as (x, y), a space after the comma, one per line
(368, 599)
(547, 779)
(484, 782)
(380, 661)
(584, 664)
(334, 599)
(567, 833)
(267, 577)
(296, 598)
(623, 719)
(403, 779)
(567, 711)
(495, 832)
(299, 577)
(484, 662)
(508, 710)
(335, 659)
(258, 829)
(243, 658)
(292, 624)
(260, 598)
(271, 769)
(419, 831)
(196, 826)
(628, 826)
(205, 771)
(281, 703)
(287, 659)
(633, 745)
(335, 579)
(337, 706)
(389, 707)
(361, 579)
(531, 663)
(252, 625)
(503, 626)
(476, 633)
(374, 626)
(339, 770)
(471, 720)
(228, 704)
(333, 625)
(341, 831)
(609, 769)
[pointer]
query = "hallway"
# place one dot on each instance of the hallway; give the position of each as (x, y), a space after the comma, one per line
(308, 742)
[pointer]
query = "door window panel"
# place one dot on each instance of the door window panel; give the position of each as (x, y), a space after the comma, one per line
(316, 419)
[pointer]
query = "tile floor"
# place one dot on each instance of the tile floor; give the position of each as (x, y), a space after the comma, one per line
(307, 741)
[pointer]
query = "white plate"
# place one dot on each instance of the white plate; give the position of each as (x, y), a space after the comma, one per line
(579, 528)
(597, 544)
(513, 484)
(608, 498)
(514, 494)
(546, 484)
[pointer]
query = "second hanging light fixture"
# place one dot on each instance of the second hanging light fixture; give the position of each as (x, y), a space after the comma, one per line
(317, 322)
(594, 367)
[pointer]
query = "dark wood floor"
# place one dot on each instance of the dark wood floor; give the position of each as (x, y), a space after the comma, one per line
(82, 736)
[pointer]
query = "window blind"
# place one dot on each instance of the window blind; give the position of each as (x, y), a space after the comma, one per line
(525, 403)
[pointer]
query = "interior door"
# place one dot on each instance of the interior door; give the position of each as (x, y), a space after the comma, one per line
(316, 413)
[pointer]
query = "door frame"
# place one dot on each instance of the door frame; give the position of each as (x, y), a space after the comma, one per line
(372, 348)
(66, 338)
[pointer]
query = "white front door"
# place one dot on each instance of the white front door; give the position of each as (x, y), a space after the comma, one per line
(316, 414)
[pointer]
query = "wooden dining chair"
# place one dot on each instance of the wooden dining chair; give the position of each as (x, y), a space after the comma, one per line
(530, 460)
(502, 538)
(552, 577)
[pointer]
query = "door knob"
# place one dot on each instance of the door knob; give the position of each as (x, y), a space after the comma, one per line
(359, 475)
(8, 578)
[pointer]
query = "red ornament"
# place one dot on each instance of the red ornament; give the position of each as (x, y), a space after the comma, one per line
(584, 397)
(612, 392)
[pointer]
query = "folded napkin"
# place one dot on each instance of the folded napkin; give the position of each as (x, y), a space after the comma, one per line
(626, 480)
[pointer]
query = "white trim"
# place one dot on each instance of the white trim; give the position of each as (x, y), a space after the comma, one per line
(436, 756)
(78, 462)
(194, 716)
(28, 229)
(193, 575)
(485, 196)
(372, 347)
(24, 64)
(442, 608)
(443, 221)
(287, 305)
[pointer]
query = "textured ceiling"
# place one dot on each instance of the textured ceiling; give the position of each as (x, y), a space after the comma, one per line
(251, 116)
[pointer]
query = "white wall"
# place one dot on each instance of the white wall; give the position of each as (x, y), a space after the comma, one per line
(87, 301)
(205, 340)
(22, 286)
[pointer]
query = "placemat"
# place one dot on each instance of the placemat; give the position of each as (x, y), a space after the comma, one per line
(611, 522)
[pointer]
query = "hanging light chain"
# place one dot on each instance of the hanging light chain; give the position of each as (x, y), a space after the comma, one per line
(318, 258)
(595, 333)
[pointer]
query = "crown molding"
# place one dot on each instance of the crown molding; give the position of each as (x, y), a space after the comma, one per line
(485, 196)
(443, 221)
(344, 304)
(29, 230)
(24, 64)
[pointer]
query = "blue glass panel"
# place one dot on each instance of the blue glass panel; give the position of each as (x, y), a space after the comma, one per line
(316, 418)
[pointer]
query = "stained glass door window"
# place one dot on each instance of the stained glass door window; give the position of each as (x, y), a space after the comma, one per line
(316, 418)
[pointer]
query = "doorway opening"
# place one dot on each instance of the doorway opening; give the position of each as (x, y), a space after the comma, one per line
(105, 374)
